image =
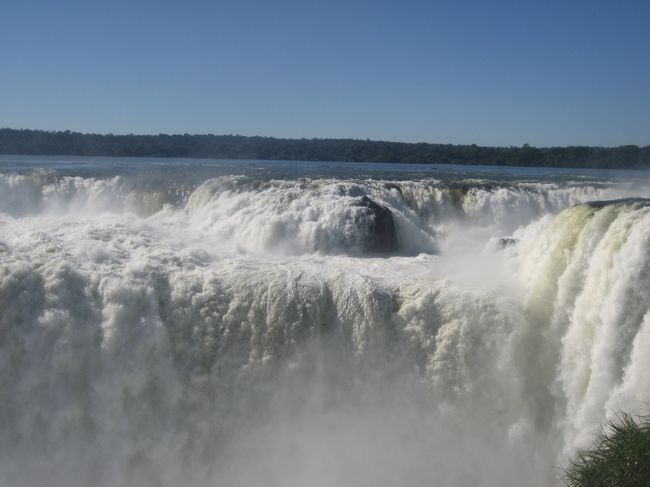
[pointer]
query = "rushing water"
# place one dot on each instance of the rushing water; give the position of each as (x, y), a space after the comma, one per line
(212, 323)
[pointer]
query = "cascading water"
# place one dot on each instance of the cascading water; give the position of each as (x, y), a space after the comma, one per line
(243, 330)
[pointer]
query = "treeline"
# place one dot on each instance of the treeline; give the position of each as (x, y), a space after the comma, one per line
(38, 142)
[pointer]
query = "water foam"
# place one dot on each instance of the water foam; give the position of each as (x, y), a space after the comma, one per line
(198, 344)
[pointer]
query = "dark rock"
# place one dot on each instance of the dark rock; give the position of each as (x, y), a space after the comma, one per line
(382, 234)
(637, 202)
(507, 242)
(394, 186)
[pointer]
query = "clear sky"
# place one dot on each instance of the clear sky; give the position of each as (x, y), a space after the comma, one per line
(488, 72)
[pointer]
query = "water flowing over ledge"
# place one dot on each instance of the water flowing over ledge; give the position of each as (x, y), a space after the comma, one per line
(234, 330)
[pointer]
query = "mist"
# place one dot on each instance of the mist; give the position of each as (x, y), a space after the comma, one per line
(251, 331)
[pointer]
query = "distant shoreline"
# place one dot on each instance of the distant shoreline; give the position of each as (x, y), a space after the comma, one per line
(66, 143)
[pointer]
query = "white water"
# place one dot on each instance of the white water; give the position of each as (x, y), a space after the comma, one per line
(237, 333)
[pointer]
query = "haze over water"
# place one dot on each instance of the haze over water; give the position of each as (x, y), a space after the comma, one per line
(195, 322)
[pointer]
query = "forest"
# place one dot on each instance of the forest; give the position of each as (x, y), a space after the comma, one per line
(41, 142)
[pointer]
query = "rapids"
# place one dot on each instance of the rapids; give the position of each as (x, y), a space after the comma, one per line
(239, 329)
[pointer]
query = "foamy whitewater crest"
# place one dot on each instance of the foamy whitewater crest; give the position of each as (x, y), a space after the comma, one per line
(45, 192)
(295, 217)
(128, 361)
(327, 216)
(505, 206)
(324, 215)
(244, 334)
(588, 274)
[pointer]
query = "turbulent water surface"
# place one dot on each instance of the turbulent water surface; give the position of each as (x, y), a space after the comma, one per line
(210, 323)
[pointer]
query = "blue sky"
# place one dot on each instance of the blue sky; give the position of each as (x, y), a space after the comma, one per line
(484, 72)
